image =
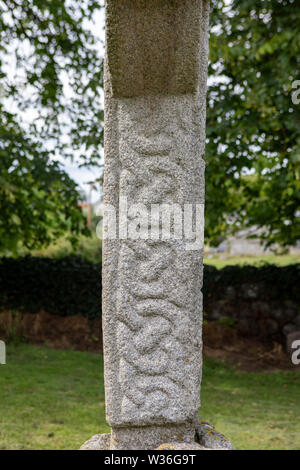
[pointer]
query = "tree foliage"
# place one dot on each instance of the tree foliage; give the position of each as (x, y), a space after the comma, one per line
(253, 127)
(50, 86)
(253, 132)
(38, 200)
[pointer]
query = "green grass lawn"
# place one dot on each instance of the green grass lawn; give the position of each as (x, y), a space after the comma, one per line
(55, 400)
(222, 260)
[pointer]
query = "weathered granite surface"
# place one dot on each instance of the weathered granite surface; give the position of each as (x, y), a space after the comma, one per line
(149, 437)
(154, 144)
(208, 437)
(180, 446)
(205, 437)
(153, 46)
(97, 442)
(155, 102)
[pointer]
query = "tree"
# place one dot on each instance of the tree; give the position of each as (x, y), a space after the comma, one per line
(51, 70)
(38, 200)
(253, 127)
(253, 132)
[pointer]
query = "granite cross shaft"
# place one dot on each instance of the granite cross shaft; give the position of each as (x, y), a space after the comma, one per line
(155, 106)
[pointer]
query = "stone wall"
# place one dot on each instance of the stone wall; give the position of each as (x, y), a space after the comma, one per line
(261, 302)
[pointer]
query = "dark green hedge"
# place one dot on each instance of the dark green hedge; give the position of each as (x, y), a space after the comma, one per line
(67, 286)
(271, 282)
(71, 286)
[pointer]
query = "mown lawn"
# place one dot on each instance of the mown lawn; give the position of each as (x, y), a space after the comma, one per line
(221, 260)
(55, 400)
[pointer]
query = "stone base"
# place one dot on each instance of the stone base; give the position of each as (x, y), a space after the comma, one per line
(205, 438)
(97, 442)
(209, 438)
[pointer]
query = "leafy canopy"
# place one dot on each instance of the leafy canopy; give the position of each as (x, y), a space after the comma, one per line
(50, 89)
(253, 131)
(253, 127)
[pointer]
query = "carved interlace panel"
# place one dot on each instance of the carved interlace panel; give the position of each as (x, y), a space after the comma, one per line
(158, 299)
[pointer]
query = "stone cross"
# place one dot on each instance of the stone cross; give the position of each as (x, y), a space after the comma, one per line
(155, 104)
